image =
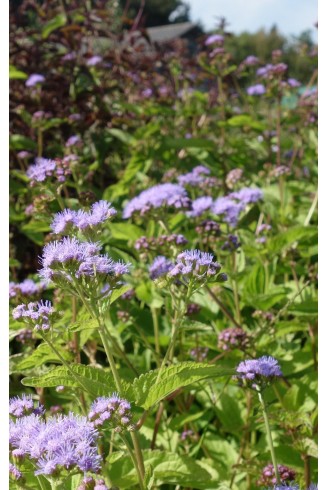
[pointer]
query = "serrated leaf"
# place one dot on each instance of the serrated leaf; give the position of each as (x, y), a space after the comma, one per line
(88, 324)
(41, 355)
(94, 380)
(168, 468)
(147, 390)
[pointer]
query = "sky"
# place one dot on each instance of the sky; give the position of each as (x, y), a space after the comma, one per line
(291, 16)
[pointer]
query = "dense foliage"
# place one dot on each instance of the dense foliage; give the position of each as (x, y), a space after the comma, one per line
(163, 268)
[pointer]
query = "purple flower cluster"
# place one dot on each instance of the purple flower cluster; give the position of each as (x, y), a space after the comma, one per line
(292, 486)
(258, 372)
(247, 195)
(251, 61)
(268, 475)
(208, 227)
(200, 205)
(14, 472)
(94, 60)
(24, 405)
(199, 353)
(153, 243)
(69, 258)
(73, 140)
(160, 267)
(34, 79)
(44, 168)
(113, 409)
(40, 314)
(232, 338)
(195, 177)
(214, 39)
(228, 208)
(258, 89)
(61, 442)
(69, 221)
(280, 170)
(270, 70)
(187, 434)
(231, 244)
(25, 288)
(194, 264)
(88, 483)
(162, 195)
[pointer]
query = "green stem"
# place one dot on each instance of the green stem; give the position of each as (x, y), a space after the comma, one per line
(156, 331)
(173, 338)
(135, 461)
(42, 486)
(110, 357)
(235, 288)
(268, 431)
(60, 357)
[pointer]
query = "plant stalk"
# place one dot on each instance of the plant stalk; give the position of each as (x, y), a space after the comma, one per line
(268, 431)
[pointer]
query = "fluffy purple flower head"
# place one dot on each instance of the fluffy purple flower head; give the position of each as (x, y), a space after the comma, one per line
(147, 92)
(23, 154)
(264, 70)
(160, 267)
(44, 168)
(94, 60)
(162, 195)
(69, 56)
(26, 288)
(292, 82)
(61, 442)
(214, 38)
(291, 486)
(228, 208)
(70, 221)
(200, 205)
(14, 472)
(40, 314)
(257, 89)
(196, 264)
(100, 485)
(232, 338)
(34, 79)
(73, 140)
(247, 195)
(251, 61)
(258, 372)
(114, 409)
(24, 405)
(195, 177)
(231, 244)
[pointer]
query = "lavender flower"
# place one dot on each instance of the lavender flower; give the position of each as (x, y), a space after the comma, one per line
(69, 259)
(292, 486)
(186, 434)
(214, 38)
(25, 336)
(34, 79)
(268, 475)
(194, 264)
(43, 169)
(154, 243)
(26, 288)
(147, 92)
(100, 485)
(292, 82)
(233, 177)
(195, 177)
(192, 309)
(24, 405)
(114, 409)
(200, 205)
(94, 60)
(209, 227)
(229, 208)
(258, 89)
(69, 221)
(258, 372)
(199, 353)
(40, 314)
(14, 472)
(23, 154)
(160, 267)
(60, 442)
(232, 338)
(69, 56)
(280, 170)
(247, 195)
(250, 61)
(73, 140)
(163, 195)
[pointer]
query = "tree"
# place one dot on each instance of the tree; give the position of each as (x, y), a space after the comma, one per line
(156, 12)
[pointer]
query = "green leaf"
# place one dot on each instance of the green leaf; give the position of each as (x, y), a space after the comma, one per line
(88, 324)
(147, 390)
(20, 142)
(287, 238)
(41, 355)
(117, 293)
(96, 381)
(126, 231)
(15, 74)
(123, 136)
(168, 468)
(229, 412)
(55, 23)
(305, 308)
(245, 120)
